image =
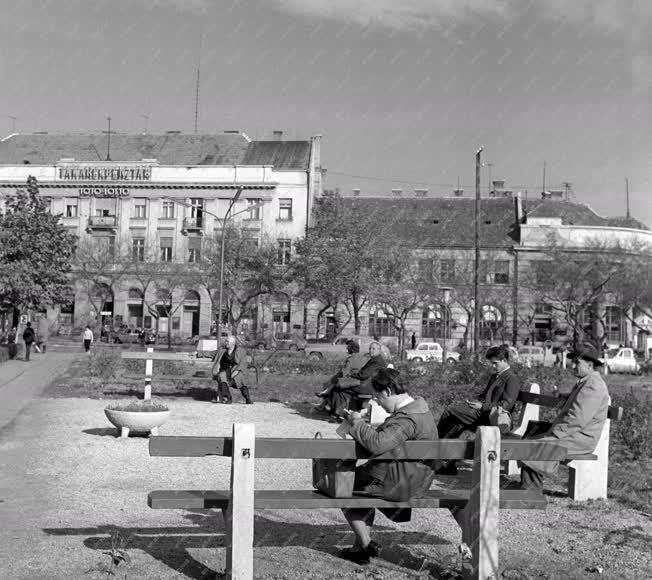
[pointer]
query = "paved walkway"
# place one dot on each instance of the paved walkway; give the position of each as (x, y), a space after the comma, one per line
(21, 381)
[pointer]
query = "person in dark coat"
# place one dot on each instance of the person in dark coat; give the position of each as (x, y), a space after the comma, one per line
(413, 341)
(410, 419)
(344, 376)
(229, 366)
(29, 337)
(501, 390)
(343, 395)
(11, 342)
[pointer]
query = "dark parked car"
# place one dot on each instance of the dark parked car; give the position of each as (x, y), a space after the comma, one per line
(281, 341)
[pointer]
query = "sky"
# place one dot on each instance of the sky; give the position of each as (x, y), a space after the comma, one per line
(403, 93)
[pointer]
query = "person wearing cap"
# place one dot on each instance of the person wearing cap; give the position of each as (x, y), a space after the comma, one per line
(29, 336)
(580, 421)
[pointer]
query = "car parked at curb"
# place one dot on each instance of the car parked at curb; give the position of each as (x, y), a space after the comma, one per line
(622, 360)
(430, 351)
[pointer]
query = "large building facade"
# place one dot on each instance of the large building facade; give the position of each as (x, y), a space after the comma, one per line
(515, 237)
(168, 193)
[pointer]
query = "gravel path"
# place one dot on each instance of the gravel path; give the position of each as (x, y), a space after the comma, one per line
(67, 484)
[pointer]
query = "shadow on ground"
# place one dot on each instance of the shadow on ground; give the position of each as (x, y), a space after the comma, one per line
(171, 545)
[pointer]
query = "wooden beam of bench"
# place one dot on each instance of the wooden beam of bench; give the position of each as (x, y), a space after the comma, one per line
(614, 413)
(309, 499)
(288, 448)
(138, 355)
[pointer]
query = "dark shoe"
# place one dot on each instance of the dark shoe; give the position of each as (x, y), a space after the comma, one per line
(447, 469)
(249, 402)
(360, 557)
(373, 549)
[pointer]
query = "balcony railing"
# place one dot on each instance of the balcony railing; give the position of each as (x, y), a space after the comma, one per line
(107, 222)
(192, 224)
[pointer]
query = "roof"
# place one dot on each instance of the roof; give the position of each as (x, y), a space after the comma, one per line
(167, 149)
(578, 214)
(280, 154)
(444, 221)
(448, 221)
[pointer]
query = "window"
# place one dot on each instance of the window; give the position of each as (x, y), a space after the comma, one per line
(167, 210)
(194, 249)
(501, 272)
(254, 212)
(166, 249)
(106, 243)
(138, 249)
(425, 269)
(491, 323)
(284, 252)
(612, 324)
(447, 271)
(285, 209)
(435, 322)
(542, 272)
(71, 208)
(380, 324)
(140, 208)
(196, 210)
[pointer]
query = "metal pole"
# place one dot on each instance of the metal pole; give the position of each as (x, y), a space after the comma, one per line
(226, 217)
(476, 261)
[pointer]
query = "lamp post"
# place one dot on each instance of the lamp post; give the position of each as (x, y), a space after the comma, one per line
(223, 220)
(447, 294)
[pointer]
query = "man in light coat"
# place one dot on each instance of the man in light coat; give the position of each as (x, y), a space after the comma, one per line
(579, 424)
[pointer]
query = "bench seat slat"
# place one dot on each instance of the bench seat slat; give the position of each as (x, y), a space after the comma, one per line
(288, 448)
(310, 499)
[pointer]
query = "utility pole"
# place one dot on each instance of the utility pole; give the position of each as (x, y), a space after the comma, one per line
(627, 193)
(13, 123)
(201, 35)
(543, 189)
(108, 141)
(567, 188)
(489, 166)
(476, 261)
(146, 117)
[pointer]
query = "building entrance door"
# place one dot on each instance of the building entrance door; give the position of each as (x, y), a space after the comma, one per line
(190, 321)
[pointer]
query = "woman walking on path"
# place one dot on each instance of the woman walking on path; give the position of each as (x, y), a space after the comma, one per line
(88, 339)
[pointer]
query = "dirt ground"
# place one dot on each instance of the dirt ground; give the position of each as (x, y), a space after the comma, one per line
(72, 495)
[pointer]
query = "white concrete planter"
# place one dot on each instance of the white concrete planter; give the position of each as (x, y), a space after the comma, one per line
(137, 421)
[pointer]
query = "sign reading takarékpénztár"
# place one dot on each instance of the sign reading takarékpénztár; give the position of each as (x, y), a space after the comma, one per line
(94, 172)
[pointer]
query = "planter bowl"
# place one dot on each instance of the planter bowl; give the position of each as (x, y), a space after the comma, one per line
(137, 421)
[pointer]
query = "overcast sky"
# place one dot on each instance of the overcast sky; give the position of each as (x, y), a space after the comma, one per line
(403, 92)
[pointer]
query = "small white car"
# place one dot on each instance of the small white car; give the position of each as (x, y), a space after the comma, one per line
(622, 360)
(430, 351)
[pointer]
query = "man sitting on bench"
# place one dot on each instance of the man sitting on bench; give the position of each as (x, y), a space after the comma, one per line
(501, 390)
(409, 420)
(579, 423)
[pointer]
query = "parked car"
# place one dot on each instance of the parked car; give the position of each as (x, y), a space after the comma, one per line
(431, 351)
(336, 349)
(280, 341)
(128, 336)
(532, 355)
(622, 360)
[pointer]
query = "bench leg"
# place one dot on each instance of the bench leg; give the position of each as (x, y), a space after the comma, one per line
(149, 363)
(124, 432)
(153, 432)
(479, 518)
(588, 479)
(240, 512)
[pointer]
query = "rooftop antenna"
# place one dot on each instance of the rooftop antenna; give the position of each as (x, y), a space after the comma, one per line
(13, 123)
(146, 117)
(201, 37)
(108, 141)
(627, 193)
(543, 190)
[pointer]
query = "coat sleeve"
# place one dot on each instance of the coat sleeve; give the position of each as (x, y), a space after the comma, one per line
(240, 362)
(583, 409)
(510, 392)
(392, 433)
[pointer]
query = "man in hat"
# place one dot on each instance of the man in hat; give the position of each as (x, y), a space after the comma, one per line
(579, 424)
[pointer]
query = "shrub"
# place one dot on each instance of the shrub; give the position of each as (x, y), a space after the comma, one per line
(103, 364)
(633, 433)
(139, 406)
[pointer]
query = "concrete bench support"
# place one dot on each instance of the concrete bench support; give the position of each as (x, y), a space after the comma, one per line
(529, 412)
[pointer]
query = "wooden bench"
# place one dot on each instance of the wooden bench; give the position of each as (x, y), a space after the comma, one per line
(587, 476)
(475, 509)
(150, 356)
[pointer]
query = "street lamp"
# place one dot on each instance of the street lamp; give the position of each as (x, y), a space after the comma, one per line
(223, 220)
(447, 294)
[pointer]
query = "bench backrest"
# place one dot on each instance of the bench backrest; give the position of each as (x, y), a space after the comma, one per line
(614, 413)
(285, 448)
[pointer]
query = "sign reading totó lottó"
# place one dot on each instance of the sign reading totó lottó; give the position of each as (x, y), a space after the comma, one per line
(94, 172)
(103, 191)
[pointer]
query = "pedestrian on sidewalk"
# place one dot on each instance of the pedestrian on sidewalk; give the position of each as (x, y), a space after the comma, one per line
(88, 339)
(28, 337)
(11, 343)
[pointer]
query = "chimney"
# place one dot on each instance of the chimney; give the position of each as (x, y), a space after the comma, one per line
(518, 208)
(232, 132)
(420, 192)
(556, 194)
(397, 192)
(356, 192)
(278, 136)
(458, 192)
